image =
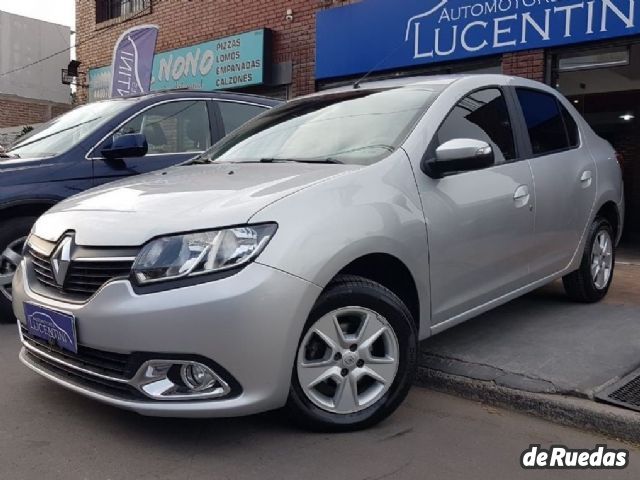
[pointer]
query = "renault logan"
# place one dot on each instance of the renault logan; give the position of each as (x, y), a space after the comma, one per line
(301, 259)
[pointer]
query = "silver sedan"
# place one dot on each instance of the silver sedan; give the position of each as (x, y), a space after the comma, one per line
(301, 259)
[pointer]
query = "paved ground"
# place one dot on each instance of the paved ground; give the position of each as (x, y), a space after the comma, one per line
(543, 342)
(49, 433)
(629, 250)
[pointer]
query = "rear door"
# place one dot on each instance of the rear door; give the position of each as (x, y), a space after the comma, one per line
(564, 175)
(479, 222)
(176, 131)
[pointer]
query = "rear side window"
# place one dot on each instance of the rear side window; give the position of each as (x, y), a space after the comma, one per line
(482, 115)
(544, 121)
(234, 115)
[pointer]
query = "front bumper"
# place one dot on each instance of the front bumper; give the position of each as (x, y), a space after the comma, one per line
(249, 324)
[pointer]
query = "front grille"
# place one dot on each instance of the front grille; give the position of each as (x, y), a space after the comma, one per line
(96, 362)
(84, 278)
(105, 363)
(113, 389)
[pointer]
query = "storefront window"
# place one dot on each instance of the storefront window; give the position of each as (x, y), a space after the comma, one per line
(604, 58)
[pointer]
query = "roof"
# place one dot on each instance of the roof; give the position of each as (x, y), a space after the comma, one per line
(442, 80)
(215, 94)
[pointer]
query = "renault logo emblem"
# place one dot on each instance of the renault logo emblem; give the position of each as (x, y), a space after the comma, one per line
(61, 259)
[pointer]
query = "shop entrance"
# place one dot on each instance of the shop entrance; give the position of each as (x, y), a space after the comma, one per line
(603, 82)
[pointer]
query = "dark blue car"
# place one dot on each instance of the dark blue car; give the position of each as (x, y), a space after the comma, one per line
(101, 142)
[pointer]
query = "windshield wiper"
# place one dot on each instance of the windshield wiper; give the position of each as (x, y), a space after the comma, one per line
(198, 161)
(12, 156)
(301, 160)
(207, 160)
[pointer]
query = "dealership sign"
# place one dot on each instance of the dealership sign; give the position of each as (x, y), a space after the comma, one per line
(133, 60)
(225, 63)
(387, 34)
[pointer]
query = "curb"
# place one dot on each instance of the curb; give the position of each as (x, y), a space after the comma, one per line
(565, 410)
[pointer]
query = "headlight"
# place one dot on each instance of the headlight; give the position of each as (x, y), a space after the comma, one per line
(193, 254)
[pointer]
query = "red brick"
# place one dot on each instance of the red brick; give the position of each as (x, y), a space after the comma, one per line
(15, 111)
(528, 64)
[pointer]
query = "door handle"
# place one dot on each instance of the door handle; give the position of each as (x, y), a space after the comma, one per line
(586, 179)
(521, 196)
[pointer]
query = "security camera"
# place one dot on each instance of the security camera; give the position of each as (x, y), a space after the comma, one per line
(289, 15)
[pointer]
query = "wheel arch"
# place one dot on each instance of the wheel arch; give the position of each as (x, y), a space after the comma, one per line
(26, 208)
(609, 211)
(390, 272)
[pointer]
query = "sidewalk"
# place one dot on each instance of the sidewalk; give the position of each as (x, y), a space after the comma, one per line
(547, 355)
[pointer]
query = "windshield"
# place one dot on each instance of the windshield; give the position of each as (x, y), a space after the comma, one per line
(66, 131)
(354, 127)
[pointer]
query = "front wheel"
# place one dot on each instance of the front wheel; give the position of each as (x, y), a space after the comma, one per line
(356, 358)
(13, 233)
(591, 282)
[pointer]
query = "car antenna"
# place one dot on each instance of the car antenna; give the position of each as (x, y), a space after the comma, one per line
(356, 84)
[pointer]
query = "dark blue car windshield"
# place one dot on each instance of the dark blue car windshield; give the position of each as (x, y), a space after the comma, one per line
(66, 131)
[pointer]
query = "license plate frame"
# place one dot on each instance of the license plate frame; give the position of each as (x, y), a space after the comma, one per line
(55, 327)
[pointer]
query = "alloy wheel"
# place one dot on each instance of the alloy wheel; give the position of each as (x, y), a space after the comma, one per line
(601, 259)
(9, 261)
(348, 360)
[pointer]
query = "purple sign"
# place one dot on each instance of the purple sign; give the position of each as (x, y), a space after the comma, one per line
(133, 61)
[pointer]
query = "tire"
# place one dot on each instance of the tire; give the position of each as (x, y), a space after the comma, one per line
(12, 233)
(581, 285)
(354, 299)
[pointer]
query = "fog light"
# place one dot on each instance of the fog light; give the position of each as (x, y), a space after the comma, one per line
(197, 377)
(179, 380)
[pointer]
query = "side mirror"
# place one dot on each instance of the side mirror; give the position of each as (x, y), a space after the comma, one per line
(460, 155)
(126, 146)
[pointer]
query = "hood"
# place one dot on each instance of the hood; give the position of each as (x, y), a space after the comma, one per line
(8, 165)
(181, 199)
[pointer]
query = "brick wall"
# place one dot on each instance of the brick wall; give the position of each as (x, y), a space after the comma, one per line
(16, 111)
(184, 23)
(57, 110)
(527, 64)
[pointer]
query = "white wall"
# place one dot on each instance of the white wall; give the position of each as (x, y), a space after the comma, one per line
(24, 40)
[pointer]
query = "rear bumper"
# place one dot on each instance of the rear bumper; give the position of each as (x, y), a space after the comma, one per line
(249, 324)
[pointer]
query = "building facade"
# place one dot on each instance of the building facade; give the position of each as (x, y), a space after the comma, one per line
(587, 49)
(36, 94)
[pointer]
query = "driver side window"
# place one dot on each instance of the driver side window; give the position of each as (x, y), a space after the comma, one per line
(481, 115)
(174, 127)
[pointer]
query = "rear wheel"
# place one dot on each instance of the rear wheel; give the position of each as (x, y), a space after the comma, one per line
(13, 233)
(356, 358)
(591, 282)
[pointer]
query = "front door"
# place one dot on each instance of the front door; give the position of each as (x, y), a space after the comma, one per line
(480, 222)
(176, 131)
